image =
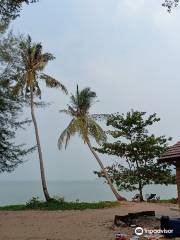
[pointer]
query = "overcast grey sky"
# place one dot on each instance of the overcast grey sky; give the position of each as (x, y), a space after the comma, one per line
(128, 51)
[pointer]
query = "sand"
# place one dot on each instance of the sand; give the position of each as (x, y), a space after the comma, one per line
(71, 224)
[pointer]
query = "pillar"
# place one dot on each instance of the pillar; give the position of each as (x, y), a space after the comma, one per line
(178, 180)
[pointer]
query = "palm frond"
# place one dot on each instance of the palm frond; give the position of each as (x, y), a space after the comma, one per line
(72, 111)
(46, 57)
(67, 112)
(37, 52)
(86, 98)
(67, 133)
(83, 100)
(53, 83)
(96, 131)
(37, 89)
(64, 111)
(100, 116)
(43, 60)
(42, 104)
(82, 123)
(74, 101)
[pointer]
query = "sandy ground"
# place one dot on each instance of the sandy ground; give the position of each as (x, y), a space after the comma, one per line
(71, 225)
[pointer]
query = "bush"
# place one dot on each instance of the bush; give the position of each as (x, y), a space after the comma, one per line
(33, 203)
(58, 203)
(59, 199)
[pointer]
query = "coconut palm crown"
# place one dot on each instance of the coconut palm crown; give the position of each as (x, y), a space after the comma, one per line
(82, 121)
(32, 62)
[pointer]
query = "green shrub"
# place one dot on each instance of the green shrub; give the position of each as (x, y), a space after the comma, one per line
(33, 203)
(59, 199)
(58, 203)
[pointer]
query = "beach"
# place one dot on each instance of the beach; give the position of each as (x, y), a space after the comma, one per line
(96, 224)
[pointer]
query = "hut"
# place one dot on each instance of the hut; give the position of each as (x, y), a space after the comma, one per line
(172, 156)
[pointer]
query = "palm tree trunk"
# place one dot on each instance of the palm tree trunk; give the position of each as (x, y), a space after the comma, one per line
(43, 179)
(118, 197)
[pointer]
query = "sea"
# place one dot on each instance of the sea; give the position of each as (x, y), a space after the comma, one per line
(17, 192)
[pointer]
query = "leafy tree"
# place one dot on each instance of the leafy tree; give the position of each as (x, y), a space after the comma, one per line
(137, 150)
(11, 155)
(169, 4)
(30, 65)
(9, 10)
(84, 124)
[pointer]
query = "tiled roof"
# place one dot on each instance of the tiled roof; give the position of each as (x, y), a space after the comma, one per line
(172, 154)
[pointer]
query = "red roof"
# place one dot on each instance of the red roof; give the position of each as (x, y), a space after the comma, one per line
(172, 154)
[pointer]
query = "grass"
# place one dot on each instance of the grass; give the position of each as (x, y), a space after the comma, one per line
(60, 204)
(13, 207)
(35, 204)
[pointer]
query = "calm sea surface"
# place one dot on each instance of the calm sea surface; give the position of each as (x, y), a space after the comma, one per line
(21, 191)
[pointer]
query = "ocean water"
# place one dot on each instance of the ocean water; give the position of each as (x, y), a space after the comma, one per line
(21, 191)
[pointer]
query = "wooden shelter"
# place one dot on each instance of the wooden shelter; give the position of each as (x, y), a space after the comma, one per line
(172, 155)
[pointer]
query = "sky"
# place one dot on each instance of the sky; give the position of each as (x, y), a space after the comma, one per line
(127, 51)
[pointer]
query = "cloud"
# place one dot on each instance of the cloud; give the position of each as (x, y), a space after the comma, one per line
(164, 20)
(131, 8)
(151, 12)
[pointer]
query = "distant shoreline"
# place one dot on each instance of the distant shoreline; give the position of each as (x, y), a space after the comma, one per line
(15, 192)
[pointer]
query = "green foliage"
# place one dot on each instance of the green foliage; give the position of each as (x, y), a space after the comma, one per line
(137, 150)
(169, 4)
(59, 199)
(34, 202)
(10, 109)
(55, 204)
(82, 121)
(59, 204)
(13, 208)
(9, 10)
(30, 65)
(9, 51)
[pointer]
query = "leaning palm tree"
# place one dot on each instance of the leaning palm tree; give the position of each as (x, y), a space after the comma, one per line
(32, 62)
(85, 125)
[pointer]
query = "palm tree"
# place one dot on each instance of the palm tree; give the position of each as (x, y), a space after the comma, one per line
(85, 125)
(32, 63)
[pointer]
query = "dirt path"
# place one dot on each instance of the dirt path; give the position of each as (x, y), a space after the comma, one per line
(69, 225)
